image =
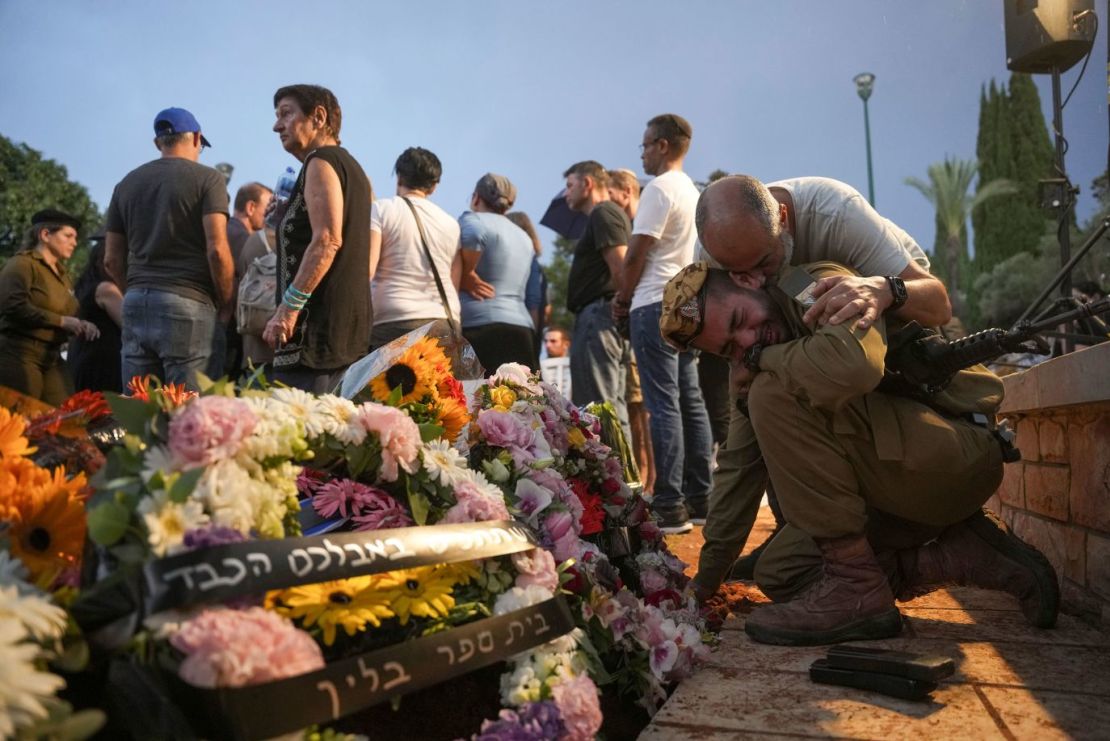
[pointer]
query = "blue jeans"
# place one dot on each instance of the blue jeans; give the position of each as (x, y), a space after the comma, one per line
(599, 361)
(170, 337)
(680, 433)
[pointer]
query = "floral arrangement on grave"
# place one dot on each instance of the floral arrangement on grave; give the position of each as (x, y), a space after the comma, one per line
(642, 633)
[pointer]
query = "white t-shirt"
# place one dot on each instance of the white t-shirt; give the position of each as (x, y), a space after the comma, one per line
(404, 287)
(833, 221)
(666, 212)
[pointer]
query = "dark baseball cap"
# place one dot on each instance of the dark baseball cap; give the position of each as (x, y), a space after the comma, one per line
(177, 121)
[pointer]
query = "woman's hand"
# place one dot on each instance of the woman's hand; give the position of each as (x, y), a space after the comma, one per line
(477, 287)
(279, 329)
(80, 328)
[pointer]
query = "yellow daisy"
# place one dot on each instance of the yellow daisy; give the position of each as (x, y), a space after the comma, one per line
(423, 592)
(351, 604)
(12, 441)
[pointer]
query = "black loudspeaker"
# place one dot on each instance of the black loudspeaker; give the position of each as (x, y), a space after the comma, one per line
(1043, 35)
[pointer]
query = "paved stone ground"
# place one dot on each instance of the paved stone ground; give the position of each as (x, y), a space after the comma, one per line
(1012, 681)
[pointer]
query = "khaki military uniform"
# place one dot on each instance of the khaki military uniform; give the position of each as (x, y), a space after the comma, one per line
(33, 300)
(843, 455)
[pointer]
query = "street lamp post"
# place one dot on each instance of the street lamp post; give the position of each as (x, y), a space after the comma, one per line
(864, 82)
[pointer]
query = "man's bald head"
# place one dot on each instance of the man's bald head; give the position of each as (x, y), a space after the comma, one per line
(740, 225)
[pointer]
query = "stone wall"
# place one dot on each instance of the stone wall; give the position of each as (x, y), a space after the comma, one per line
(1058, 496)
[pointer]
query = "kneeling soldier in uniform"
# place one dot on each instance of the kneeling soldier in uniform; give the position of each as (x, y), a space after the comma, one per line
(882, 492)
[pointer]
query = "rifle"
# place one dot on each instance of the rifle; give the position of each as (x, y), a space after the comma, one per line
(925, 362)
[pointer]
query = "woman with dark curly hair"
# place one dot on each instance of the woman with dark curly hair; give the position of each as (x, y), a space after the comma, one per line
(95, 364)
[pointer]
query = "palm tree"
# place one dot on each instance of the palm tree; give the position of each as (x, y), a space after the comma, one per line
(947, 190)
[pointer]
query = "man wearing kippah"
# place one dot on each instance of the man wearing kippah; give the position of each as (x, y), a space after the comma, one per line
(166, 244)
(882, 493)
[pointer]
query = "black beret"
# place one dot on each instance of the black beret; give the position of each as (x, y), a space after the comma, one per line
(54, 216)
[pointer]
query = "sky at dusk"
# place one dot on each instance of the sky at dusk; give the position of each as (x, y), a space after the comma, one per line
(526, 88)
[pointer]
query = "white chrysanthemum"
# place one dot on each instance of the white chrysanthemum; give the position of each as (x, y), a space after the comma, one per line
(278, 434)
(12, 570)
(157, 459)
(23, 688)
(236, 499)
(167, 521)
(305, 407)
(443, 462)
(334, 414)
(42, 619)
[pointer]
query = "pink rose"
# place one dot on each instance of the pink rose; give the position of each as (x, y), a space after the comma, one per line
(209, 429)
(398, 434)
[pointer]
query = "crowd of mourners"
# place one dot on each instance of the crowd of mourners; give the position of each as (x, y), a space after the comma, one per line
(767, 305)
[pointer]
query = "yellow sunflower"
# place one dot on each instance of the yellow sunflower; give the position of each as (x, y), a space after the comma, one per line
(412, 372)
(423, 592)
(12, 441)
(46, 520)
(430, 351)
(351, 604)
(452, 417)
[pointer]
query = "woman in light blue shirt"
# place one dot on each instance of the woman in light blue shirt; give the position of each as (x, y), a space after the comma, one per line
(496, 263)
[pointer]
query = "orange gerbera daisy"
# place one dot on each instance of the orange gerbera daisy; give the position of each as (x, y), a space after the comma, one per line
(452, 416)
(46, 521)
(12, 441)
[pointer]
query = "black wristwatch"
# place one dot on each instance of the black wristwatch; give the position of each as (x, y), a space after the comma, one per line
(898, 292)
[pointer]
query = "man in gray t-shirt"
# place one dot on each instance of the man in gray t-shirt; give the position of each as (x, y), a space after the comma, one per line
(167, 245)
(759, 231)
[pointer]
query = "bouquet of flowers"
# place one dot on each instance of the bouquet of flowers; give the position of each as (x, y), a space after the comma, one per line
(42, 535)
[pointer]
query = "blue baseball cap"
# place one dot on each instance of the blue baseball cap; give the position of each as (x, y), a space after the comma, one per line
(177, 121)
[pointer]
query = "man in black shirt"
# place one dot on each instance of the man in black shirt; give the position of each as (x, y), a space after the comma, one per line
(599, 356)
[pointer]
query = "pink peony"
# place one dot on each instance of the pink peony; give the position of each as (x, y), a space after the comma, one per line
(235, 648)
(209, 429)
(475, 505)
(398, 434)
(558, 524)
(578, 703)
(536, 567)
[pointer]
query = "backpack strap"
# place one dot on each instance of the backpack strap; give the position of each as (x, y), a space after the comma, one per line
(432, 264)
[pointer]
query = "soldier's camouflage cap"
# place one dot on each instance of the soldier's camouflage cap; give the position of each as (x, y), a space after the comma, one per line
(684, 306)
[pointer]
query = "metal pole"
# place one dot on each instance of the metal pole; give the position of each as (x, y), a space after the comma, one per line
(1063, 231)
(867, 137)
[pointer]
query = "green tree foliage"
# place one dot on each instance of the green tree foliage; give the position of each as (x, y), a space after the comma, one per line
(1007, 289)
(947, 189)
(28, 183)
(1013, 144)
(558, 270)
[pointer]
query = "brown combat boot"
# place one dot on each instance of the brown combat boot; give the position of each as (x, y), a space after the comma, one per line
(982, 552)
(851, 601)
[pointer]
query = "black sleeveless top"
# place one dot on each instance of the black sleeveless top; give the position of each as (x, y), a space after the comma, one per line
(333, 329)
(95, 363)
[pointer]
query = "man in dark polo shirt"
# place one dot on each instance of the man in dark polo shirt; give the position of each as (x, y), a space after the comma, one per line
(599, 356)
(167, 243)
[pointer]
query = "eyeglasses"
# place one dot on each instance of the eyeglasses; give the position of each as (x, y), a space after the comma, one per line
(650, 144)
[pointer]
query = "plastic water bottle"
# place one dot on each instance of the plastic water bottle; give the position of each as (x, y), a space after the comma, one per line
(282, 191)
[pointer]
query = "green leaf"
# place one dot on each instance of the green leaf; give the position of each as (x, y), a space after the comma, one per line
(395, 395)
(420, 507)
(132, 414)
(429, 432)
(184, 485)
(108, 522)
